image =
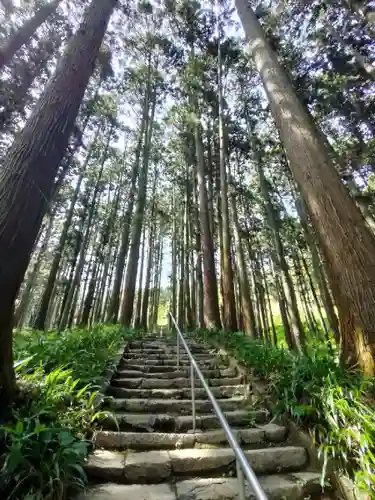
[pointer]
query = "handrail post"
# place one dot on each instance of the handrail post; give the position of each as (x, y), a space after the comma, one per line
(241, 481)
(178, 349)
(192, 381)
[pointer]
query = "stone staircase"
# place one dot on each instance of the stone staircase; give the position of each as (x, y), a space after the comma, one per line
(148, 450)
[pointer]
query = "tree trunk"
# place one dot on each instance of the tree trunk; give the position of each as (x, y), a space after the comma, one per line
(246, 301)
(346, 242)
(138, 313)
(24, 34)
(319, 272)
(47, 293)
(150, 252)
(28, 174)
(298, 334)
(210, 297)
(229, 306)
(131, 271)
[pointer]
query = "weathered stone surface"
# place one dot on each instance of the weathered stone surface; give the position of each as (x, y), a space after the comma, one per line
(235, 418)
(278, 459)
(109, 440)
(251, 436)
(275, 432)
(147, 467)
(192, 461)
(113, 491)
(225, 381)
(106, 465)
(275, 487)
(128, 383)
(212, 437)
(309, 480)
(129, 374)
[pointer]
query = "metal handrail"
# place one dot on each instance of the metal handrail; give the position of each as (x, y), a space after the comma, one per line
(242, 464)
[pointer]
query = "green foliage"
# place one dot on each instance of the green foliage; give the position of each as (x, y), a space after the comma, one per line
(320, 394)
(87, 352)
(45, 436)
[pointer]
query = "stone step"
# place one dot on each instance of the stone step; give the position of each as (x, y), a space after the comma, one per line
(128, 365)
(143, 422)
(112, 440)
(219, 392)
(179, 406)
(170, 362)
(158, 466)
(294, 486)
(164, 353)
(226, 372)
(176, 383)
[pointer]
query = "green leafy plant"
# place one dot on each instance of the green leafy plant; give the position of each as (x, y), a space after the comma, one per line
(320, 394)
(45, 438)
(41, 462)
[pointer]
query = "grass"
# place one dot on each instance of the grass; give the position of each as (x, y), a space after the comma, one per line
(318, 393)
(45, 436)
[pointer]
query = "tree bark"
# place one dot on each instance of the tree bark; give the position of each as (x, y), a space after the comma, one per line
(131, 272)
(27, 178)
(247, 304)
(347, 244)
(210, 296)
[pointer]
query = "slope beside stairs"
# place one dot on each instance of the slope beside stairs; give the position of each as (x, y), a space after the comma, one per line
(149, 452)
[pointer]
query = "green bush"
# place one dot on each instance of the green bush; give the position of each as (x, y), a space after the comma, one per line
(46, 435)
(320, 394)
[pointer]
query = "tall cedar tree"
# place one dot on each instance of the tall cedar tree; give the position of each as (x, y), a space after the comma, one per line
(27, 177)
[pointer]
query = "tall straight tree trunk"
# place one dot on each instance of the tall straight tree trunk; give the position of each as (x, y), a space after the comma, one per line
(319, 272)
(174, 259)
(138, 312)
(150, 253)
(210, 293)
(188, 311)
(24, 34)
(267, 298)
(227, 278)
(114, 303)
(47, 292)
(198, 261)
(72, 293)
(246, 301)
(346, 242)
(131, 271)
(28, 174)
(298, 334)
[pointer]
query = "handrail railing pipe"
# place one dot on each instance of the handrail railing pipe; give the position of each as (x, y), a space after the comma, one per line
(242, 464)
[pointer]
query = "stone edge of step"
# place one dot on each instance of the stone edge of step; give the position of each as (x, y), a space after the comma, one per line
(294, 486)
(161, 465)
(112, 440)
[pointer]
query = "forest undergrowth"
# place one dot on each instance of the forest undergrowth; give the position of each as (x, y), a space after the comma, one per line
(45, 436)
(334, 404)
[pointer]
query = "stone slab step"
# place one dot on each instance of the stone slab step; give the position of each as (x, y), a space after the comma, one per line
(276, 487)
(112, 440)
(208, 362)
(226, 372)
(286, 487)
(219, 392)
(158, 466)
(174, 383)
(143, 422)
(161, 355)
(166, 368)
(174, 405)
